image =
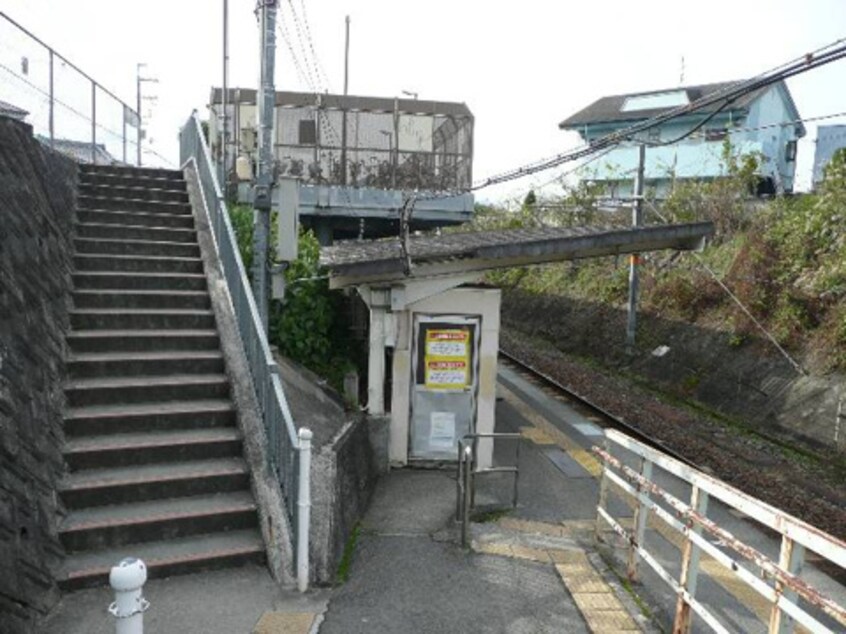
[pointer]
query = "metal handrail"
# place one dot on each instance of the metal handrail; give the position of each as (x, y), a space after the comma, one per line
(467, 473)
(286, 449)
(778, 583)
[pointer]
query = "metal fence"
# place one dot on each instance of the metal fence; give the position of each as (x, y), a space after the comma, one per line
(328, 141)
(66, 107)
(774, 581)
(288, 450)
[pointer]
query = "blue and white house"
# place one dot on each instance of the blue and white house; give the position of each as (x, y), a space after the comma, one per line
(764, 121)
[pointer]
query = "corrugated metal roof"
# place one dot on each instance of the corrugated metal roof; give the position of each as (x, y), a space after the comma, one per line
(346, 102)
(610, 109)
(541, 244)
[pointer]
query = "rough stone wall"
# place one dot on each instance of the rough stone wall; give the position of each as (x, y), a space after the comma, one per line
(751, 382)
(37, 190)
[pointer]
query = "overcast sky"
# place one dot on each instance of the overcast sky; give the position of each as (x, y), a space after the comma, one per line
(521, 67)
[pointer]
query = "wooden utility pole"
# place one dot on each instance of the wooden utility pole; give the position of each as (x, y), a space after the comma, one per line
(637, 219)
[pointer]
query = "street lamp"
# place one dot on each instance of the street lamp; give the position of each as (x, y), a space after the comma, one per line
(411, 94)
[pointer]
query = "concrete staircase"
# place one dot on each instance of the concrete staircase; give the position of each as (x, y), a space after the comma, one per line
(155, 467)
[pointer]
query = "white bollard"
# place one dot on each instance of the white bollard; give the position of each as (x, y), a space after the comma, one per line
(304, 508)
(127, 579)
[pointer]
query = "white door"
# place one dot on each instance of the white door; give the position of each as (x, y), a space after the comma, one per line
(444, 384)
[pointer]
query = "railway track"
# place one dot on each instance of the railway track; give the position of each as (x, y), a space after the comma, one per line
(606, 418)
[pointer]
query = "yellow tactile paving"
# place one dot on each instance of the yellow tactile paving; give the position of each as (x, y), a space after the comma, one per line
(582, 456)
(529, 526)
(532, 554)
(285, 623)
(611, 622)
(537, 436)
(494, 548)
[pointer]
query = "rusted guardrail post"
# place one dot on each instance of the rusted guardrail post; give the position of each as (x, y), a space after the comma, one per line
(639, 520)
(689, 577)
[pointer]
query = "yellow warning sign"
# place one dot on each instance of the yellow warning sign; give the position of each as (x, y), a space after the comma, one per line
(447, 359)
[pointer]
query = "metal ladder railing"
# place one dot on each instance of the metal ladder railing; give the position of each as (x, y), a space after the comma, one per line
(468, 471)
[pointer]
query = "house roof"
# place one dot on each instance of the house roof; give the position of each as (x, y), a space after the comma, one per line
(483, 250)
(10, 110)
(346, 102)
(610, 109)
(80, 151)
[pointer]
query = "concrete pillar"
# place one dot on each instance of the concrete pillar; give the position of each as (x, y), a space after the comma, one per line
(376, 361)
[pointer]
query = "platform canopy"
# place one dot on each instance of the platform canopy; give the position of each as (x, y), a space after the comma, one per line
(377, 262)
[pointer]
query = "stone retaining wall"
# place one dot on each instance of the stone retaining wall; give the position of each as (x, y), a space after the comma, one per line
(37, 202)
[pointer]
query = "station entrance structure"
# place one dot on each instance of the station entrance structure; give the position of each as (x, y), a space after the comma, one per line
(442, 327)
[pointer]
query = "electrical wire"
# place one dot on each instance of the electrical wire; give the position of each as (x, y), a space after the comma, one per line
(822, 56)
(735, 299)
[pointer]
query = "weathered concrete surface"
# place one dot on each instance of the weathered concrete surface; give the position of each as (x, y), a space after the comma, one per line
(217, 602)
(344, 470)
(751, 382)
(273, 518)
(403, 580)
(37, 210)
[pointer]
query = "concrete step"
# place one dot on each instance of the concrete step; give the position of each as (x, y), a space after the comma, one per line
(125, 364)
(104, 179)
(87, 171)
(137, 247)
(145, 263)
(163, 559)
(141, 299)
(157, 319)
(140, 281)
(145, 389)
(148, 447)
(135, 232)
(113, 526)
(132, 204)
(81, 341)
(147, 191)
(139, 483)
(148, 417)
(135, 218)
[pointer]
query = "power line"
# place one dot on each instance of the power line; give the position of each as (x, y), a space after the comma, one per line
(824, 55)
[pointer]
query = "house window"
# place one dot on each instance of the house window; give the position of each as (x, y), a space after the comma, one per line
(308, 132)
(790, 151)
(715, 134)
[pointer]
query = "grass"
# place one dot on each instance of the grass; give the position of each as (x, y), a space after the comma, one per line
(343, 574)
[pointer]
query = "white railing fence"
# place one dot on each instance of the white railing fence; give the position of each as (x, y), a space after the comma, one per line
(791, 599)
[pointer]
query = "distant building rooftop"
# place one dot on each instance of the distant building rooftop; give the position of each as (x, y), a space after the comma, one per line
(12, 111)
(644, 105)
(346, 102)
(80, 151)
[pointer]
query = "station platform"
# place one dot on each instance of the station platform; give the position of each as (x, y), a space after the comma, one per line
(533, 569)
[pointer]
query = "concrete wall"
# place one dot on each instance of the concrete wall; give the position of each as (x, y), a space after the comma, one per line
(752, 383)
(37, 190)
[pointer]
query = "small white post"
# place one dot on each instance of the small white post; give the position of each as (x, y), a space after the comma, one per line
(304, 508)
(127, 579)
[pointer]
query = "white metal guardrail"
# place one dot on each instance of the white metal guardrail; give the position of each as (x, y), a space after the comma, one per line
(791, 598)
(287, 447)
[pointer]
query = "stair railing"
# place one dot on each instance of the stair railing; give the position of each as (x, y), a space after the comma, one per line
(288, 450)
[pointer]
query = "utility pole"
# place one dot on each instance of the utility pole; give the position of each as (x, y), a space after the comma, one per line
(264, 181)
(346, 91)
(224, 127)
(138, 81)
(637, 218)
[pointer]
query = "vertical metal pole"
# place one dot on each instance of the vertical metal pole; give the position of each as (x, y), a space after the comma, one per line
(465, 510)
(93, 123)
(303, 508)
(138, 109)
(393, 141)
(344, 110)
(791, 558)
(52, 101)
(224, 171)
(689, 577)
(637, 212)
(264, 183)
(639, 521)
